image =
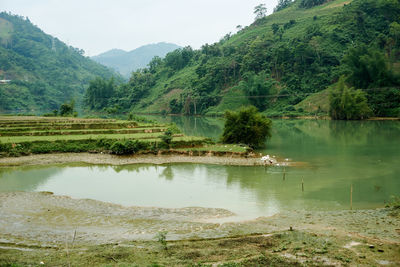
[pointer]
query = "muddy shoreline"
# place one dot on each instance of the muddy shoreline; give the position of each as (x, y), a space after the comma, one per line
(44, 219)
(237, 159)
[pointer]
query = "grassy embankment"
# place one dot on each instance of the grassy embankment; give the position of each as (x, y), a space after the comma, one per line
(36, 135)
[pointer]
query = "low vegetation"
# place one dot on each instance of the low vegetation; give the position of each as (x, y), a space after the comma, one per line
(286, 248)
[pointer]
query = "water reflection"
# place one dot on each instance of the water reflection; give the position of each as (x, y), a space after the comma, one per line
(248, 191)
(26, 178)
(167, 173)
(365, 153)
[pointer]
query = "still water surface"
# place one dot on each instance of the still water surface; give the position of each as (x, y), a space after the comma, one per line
(338, 155)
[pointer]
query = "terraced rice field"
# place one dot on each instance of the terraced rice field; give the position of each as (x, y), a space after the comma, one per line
(37, 135)
(30, 129)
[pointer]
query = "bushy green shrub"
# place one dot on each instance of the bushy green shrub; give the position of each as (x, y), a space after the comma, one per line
(133, 117)
(4, 147)
(394, 202)
(104, 143)
(166, 138)
(347, 103)
(67, 109)
(127, 147)
(153, 147)
(162, 239)
(246, 126)
(174, 128)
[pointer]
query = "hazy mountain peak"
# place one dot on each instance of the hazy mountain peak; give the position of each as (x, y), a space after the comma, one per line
(111, 53)
(125, 62)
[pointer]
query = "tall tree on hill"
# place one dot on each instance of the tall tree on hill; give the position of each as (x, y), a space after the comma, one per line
(367, 67)
(282, 4)
(312, 3)
(260, 11)
(347, 103)
(99, 92)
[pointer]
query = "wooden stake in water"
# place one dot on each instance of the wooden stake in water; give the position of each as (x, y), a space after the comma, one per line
(284, 173)
(302, 184)
(351, 197)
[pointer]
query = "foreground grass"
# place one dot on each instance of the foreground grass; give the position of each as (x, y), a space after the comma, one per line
(289, 248)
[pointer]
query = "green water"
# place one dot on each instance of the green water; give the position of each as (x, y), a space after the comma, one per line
(337, 155)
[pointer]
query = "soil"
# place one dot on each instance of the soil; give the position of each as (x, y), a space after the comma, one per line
(237, 159)
(40, 223)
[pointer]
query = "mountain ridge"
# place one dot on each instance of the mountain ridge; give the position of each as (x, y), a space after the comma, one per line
(127, 61)
(277, 62)
(44, 71)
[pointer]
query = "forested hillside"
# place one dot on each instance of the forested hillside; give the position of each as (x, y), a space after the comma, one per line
(125, 62)
(44, 72)
(282, 64)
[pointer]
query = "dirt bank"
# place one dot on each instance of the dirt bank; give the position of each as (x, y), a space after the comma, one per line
(95, 158)
(46, 218)
(39, 226)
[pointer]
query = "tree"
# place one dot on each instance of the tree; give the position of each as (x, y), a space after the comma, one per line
(178, 58)
(275, 28)
(282, 4)
(246, 126)
(166, 138)
(395, 31)
(99, 93)
(67, 109)
(347, 103)
(257, 87)
(311, 3)
(154, 64)
(260, 11)
(367, 68)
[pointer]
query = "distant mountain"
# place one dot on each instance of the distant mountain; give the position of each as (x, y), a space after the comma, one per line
(126, 62)
(44, 71)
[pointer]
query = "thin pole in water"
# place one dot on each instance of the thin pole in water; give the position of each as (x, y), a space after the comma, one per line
(302, 184)
(351, 197)
(284, 173)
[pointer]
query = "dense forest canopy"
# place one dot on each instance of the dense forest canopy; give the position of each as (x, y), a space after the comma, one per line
(44, 72)
(277, 62)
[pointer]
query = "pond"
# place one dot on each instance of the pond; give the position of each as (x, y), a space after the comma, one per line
(337, 155)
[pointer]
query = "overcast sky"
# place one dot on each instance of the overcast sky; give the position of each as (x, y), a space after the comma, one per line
(100, 25)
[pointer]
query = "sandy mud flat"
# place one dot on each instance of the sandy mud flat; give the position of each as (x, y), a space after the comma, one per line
(96, 158)
(47, 219)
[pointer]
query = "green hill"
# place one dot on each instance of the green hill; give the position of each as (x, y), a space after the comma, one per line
(44, 72)
(277, 62)
(126, 62)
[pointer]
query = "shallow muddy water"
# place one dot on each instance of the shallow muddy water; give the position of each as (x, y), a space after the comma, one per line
(365, 155)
